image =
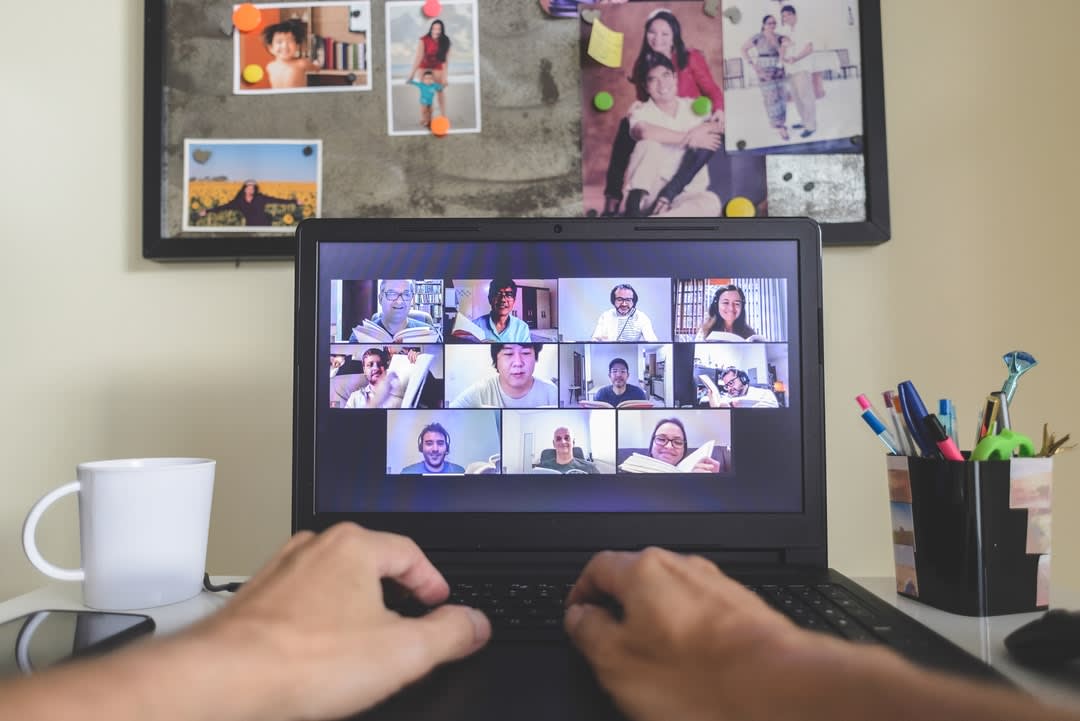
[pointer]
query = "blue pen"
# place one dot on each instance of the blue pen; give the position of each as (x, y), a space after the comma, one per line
(914, 413)
(876, 425)
(947, 415)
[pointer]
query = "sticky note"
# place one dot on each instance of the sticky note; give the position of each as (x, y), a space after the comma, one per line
(740, 207)
(440, 125)
(246, 17)
(702, 105)
(605, 45)
(252, 73)
(603, 100)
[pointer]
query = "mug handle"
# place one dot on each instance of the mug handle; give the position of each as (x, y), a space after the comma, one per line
(30, 529)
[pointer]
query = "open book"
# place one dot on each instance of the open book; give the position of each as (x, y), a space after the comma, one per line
(411, 376)
(624, 404)
(734, 337)
(370, 332)
(639, 463)
(491, 465)
(466, 329)
(714, 389)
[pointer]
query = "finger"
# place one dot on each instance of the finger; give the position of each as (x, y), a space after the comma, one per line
(286, 552)
(604, 575)
(446, 634)
(591, 628)
(400, 559)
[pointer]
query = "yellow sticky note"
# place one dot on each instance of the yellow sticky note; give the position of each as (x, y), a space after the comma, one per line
(605, 45)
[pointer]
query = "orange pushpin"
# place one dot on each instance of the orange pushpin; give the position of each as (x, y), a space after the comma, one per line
(440, 126)
(246, 18)
(432, 8)
(252, 73)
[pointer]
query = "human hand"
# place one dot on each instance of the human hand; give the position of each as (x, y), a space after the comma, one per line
(313, 619)
(706, 465)
(691, 644)
(412, 355)
(719, 119)
(717, 399)
(705, 136)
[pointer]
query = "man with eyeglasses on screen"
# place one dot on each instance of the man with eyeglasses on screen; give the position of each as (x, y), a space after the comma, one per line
(623, 322)
(738, 393)
(500, 325)
(395, 301)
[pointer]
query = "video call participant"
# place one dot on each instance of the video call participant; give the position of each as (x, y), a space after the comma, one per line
(738, 393)
(381, 386)
(395, 301)
(514, 385)
(668, 443)
(434, 445)
(564, 460)
(620, 390)
(499, 324)
(623, 321)
(726, 314)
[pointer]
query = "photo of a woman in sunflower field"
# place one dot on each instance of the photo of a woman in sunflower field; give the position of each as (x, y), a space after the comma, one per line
(249, 185)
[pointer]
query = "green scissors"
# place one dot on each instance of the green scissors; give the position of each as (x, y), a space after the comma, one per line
(1000, 446)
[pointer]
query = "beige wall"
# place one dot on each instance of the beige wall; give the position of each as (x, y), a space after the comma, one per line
(108, 355)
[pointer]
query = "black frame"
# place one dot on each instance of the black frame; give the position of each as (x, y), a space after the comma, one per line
(875, 229)
(803, 535)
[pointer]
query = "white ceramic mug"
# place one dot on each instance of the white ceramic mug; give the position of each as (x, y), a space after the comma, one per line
(143, 528)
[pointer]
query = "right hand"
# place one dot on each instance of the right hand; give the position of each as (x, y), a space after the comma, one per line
(318, 604)
(706, 136)
(692, 643)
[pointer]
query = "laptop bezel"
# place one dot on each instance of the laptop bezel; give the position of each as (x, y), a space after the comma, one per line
(779, 535)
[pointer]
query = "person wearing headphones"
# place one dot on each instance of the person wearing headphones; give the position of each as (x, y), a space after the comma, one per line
(623, 322)
(738, 393)
(434, 445)
(727, 314)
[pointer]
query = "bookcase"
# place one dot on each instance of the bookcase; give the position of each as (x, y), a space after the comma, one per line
(689, 307)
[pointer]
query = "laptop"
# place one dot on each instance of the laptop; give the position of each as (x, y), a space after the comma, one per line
(497, 447)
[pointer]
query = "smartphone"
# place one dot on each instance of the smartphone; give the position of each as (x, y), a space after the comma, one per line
(44, 638)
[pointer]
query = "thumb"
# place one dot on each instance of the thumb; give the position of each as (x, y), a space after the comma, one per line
(449, 633)
(590, 628)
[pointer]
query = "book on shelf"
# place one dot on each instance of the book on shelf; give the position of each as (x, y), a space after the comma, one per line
(371, 332)
(635, 403)
(640, 463)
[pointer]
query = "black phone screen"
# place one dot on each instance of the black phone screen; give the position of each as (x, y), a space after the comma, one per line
(43, 638)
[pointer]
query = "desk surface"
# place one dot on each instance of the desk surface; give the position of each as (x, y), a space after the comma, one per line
(981, 637)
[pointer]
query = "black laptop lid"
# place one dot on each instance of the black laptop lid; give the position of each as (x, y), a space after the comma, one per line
(460, 448)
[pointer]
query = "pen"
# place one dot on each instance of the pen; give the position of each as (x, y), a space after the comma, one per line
(914, 412)
(876, 425)
(906, 441)
(933, 427)
(988, 422)
(947, 416)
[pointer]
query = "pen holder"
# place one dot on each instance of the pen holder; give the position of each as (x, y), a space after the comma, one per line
(972, 538)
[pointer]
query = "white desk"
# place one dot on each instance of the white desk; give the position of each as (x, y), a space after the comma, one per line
(982, 637)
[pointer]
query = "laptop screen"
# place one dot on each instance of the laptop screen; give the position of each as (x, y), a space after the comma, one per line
(660, 371)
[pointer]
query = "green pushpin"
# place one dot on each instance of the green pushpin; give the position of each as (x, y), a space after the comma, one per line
(702, 106)
(603, 100)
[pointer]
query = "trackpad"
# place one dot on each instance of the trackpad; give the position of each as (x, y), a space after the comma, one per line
(520, 681)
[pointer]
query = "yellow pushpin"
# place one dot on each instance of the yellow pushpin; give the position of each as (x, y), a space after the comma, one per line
(252, 73)
(740, 207)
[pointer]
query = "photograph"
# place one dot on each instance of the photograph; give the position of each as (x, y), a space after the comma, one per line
(432, 67)
(442, 442)
(1030, 487)
(559, 441)
(733, 310)
(1042, 582)
(903, 525)
(386, 376)
(657, 146)
(614, 375)
(899, 479)
(736, 375)
(907, 580)
(1038, 530)
(251, 186)
(792, 79)
(615, 310)
(304, 48)
(502, 310)
(674, 441)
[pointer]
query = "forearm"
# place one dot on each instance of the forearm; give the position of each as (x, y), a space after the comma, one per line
(186, 677)
(648, 131)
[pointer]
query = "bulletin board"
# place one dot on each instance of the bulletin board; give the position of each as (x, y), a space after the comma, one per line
(521, 92)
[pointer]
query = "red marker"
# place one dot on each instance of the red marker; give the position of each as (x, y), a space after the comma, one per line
(937, 433)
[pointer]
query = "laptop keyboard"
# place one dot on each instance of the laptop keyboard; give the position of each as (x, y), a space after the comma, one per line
(520, 610)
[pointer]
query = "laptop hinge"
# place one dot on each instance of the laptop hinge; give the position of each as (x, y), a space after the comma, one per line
(497, 560)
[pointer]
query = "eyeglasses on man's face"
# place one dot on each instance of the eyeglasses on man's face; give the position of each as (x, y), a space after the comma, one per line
(666, 441)
(393, 295)
(506, 293)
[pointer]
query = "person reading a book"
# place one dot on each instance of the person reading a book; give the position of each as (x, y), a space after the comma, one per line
(499, 324)
(395, 301)
(727, 314)
(564, 460)
(738, 393)
(434, 445)
(668, 444)
(382, 389)
(623, 322)
(513, 385)
(620, 390)
(289, 68)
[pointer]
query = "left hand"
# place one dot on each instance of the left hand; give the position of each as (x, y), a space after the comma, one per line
(706, 465)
